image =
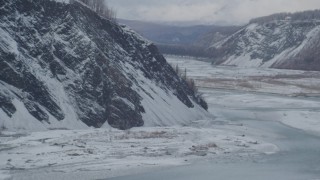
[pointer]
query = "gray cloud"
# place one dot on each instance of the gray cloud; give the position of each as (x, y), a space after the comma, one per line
(207, 11)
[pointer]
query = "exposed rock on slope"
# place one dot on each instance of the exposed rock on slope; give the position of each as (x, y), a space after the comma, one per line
(278, 41)
(63, 66)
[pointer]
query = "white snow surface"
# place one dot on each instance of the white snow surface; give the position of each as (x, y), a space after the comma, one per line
(164, 109)
(101, 153)
(7, 42)
(290, 96)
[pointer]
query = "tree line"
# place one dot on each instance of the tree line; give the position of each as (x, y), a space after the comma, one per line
(302, 16)
(192, 85)
(100, 7)
(184, 50)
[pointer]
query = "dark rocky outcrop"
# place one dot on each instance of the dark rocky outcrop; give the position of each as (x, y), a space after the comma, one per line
(63, 61)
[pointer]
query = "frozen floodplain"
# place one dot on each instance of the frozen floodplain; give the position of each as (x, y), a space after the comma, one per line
(261, 129)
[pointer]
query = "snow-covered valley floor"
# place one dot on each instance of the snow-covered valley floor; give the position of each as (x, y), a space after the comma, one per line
(251, 132)
(288, 96)
(102, 153)
(265, 80)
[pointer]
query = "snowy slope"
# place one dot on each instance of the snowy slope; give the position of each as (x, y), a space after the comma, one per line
(277, 42)
(63, 66)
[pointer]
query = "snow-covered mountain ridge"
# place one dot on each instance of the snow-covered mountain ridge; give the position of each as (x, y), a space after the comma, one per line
(63, 66)
(285, 40)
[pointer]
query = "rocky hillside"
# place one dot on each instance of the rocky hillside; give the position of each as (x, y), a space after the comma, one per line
(216, 34)
(64, 66)
(284, 40)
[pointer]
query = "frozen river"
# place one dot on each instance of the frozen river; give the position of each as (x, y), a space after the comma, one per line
(291, 123)
(298, 159)
(264, 125)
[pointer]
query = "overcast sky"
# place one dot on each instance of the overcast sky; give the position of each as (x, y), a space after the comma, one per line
(206, 11)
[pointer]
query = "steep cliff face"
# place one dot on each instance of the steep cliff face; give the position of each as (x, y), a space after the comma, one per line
(278, 41)
(63, 66)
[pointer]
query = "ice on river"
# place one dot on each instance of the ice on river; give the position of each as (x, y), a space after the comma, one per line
(288, 96)
(237, 97)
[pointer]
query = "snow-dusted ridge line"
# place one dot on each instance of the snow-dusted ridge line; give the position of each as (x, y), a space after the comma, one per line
(81, 70)
(284, 44)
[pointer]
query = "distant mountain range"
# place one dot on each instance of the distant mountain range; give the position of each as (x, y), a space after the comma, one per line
(180, 40)
(285, 40)
(168, 34)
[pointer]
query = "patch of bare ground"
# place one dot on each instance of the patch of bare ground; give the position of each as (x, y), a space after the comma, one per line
(258, 83)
